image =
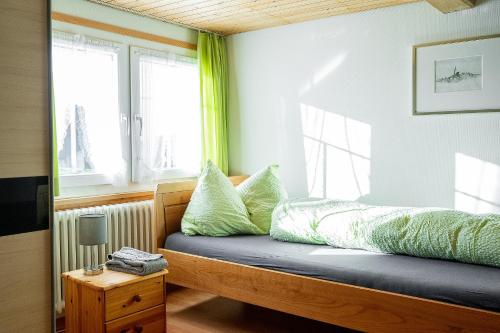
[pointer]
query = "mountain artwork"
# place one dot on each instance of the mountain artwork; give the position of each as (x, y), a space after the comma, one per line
(461, 74)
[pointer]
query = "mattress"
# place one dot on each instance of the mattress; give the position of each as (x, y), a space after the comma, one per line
(441, 280)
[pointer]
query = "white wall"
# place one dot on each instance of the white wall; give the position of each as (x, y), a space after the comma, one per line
(341, 86)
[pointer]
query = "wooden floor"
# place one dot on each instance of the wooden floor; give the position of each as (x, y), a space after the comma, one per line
(191, 311)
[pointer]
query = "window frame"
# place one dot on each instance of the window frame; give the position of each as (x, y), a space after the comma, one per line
(121, 50)
(94, 183)
(135, 99)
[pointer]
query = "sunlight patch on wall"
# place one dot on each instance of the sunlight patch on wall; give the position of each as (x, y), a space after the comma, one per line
(337, 154)
(477, 185)
(323, 72)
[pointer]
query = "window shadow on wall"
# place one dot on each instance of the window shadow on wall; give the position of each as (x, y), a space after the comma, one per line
(477, 185)
(337, 154)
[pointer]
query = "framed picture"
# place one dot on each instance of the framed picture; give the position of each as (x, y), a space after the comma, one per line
(458, 76)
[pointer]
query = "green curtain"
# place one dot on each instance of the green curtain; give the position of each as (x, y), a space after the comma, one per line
(212, 62)
(55, 163)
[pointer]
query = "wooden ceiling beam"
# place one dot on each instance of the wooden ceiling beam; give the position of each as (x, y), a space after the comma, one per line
(448, 6)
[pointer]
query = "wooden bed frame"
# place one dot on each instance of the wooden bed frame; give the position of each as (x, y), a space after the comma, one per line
(331, 302)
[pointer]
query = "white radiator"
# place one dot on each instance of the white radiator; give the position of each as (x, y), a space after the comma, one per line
(129, 224)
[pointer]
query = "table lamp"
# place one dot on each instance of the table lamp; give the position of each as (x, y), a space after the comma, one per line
(93, 230)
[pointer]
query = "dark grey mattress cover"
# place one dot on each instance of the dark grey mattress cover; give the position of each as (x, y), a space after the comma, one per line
(452, 282)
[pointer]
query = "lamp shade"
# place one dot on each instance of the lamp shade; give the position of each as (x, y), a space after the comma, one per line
(93, 229)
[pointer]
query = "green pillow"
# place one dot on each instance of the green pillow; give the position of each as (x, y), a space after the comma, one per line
(216, 208)
(261, 193)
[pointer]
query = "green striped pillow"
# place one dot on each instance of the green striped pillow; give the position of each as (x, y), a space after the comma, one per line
(261, 193)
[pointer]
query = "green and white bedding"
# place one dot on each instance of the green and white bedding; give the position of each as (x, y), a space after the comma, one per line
(261, 193)
(423, 232)
(217, 208)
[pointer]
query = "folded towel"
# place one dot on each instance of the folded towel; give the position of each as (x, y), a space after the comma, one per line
(129, 260)
(129, 253)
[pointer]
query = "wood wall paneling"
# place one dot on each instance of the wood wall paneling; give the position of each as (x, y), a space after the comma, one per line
(24, 131)
(25, 286)
(25, 276)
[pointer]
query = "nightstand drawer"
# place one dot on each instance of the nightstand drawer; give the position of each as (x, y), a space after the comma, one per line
(147, 321)
(133, 298)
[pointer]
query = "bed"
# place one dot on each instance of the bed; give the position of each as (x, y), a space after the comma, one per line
(350, 288)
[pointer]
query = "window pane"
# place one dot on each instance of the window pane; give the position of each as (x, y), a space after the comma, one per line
(85, 75)
(167, 122)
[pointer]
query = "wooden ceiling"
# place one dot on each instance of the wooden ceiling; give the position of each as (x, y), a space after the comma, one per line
(228, 17)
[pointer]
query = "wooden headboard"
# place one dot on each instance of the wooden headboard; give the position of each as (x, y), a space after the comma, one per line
(171, 200)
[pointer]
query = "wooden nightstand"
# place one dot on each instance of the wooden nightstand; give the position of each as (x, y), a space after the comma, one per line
(114, 302)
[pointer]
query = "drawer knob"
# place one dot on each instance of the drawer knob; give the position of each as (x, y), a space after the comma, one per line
(138, 329)
(136, 298)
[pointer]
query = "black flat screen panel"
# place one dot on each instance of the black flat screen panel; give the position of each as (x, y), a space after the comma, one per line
(24, 205)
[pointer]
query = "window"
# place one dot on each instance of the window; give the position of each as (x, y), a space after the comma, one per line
(85, 73)
(166, 115)
(117, 124)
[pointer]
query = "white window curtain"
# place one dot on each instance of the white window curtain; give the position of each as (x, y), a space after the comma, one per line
(85, 73)
(166, 116)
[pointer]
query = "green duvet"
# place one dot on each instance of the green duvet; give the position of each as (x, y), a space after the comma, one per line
(423, 232)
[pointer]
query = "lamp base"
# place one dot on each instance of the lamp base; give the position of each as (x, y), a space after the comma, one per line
(93, 270)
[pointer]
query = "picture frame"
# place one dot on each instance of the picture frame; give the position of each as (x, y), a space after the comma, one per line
(457, 76)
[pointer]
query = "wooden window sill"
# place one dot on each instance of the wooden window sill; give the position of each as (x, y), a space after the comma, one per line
(101, 200)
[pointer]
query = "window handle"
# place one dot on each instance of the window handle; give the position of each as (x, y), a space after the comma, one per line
(139, 118)
(124, 119)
